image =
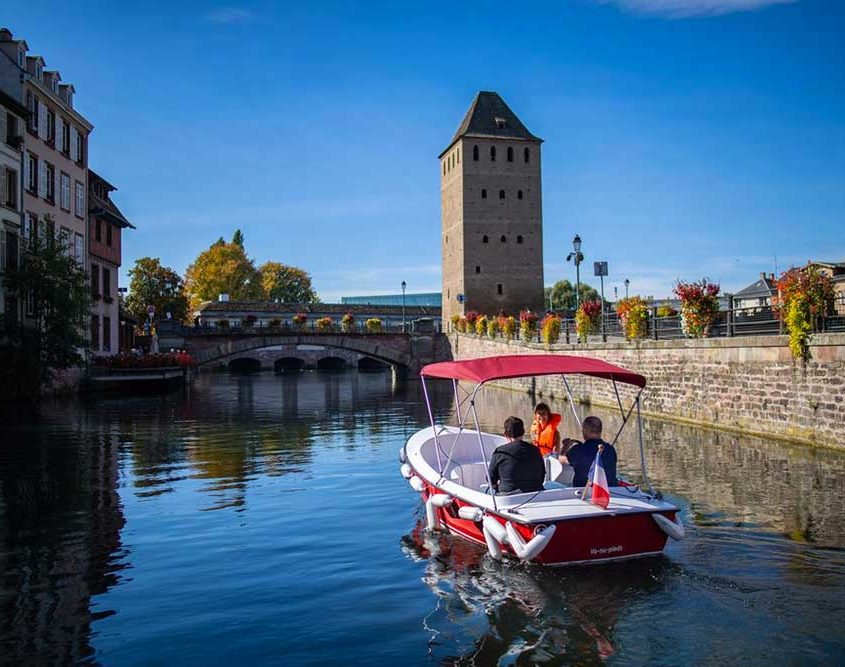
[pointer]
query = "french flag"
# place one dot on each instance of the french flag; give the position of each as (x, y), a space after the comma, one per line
(600, 491)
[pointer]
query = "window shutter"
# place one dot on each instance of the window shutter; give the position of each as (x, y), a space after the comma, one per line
(2, 125)
(4, 196)
(2, 249)
(56, 185)
(60, 132)
(26, 171)
(74, 140)
(42, 120)
(42, 179)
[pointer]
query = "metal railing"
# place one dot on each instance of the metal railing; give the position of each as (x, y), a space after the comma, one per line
(286, 328)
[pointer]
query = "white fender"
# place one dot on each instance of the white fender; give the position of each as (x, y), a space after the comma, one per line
(416, 484)
(533, 548)
(406, 471)
(495, 529)
(432, 521)
(492, 545)
(674, 529)
(441, 499)
(470, 513)
(402, 455)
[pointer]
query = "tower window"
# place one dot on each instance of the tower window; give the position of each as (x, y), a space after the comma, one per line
(458, 154)
(501, 123)
(510, 153)
(519, 239)
(485, 239)
(478, 269)
(475, 153)
(519, 194)
(492, 153)
(444, 167)
(527, 155)
(504, 239)
(499, 288)
(501, 194)
(483, 193)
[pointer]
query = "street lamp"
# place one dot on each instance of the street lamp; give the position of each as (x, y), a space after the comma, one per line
(404, 285)
(627, 283)
(577, 258)
(615, 293)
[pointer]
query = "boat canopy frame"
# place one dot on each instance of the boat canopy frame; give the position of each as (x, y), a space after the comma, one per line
(483, 370)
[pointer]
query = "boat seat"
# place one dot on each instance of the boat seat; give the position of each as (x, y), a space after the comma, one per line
(470, 475)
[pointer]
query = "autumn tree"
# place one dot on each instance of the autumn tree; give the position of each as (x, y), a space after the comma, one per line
(151, 284)
(224, 268)
(288, 284)
(238, 238)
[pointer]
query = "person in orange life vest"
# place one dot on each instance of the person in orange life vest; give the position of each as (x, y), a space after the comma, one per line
(544, 433)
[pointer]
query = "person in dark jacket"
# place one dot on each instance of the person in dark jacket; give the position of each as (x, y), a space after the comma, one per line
(581, 455)
(517, 466)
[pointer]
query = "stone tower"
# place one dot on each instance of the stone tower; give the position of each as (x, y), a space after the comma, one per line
(491, 210)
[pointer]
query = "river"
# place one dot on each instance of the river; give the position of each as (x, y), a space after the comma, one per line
(262, 519)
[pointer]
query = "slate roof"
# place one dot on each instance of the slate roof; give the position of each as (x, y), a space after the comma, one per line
(762, 287)
(484, 119)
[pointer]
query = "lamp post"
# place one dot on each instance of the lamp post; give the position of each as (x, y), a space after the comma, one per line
(577, 258)
(615, 293)
(627, 283)
(404, 285)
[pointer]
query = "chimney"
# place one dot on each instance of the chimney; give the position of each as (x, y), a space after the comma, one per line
(5, 35)
(763, 276)
(223, 298)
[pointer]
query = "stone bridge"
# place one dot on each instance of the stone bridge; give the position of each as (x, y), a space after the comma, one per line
(254, 350)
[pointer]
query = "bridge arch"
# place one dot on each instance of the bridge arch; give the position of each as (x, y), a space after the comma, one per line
(244, 365)
(288, 365)
(330, 363)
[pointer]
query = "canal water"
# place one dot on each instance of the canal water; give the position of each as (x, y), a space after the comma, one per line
(262, 519)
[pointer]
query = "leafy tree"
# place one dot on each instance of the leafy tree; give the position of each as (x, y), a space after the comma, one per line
(238, 238)
(53, 338)
(150, 283)
(288, 284)
(563, 294)
(222, 269)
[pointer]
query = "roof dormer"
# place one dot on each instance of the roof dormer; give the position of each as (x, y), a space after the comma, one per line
(52, 78)
(66, 91)
(35, 66)
(15, 49)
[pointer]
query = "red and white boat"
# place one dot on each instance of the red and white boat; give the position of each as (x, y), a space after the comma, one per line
(448, 466)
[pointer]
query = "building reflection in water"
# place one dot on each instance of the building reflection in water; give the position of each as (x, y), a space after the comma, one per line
(60, 523)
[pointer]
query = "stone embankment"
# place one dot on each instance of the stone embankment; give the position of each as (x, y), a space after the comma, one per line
(748, 384)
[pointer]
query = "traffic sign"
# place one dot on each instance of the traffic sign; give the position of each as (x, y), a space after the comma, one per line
(461, 298)
(599, 269)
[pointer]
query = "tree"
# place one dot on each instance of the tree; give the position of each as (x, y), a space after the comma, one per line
(563, 295)
(222, 269)
(288, 284)
(238, 238)
(53, 338)
(150, 283)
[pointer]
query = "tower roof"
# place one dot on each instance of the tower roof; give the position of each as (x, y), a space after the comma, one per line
(490, 117)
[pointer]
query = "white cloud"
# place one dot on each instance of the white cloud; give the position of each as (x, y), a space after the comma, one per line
(677, 9)
(230, 15)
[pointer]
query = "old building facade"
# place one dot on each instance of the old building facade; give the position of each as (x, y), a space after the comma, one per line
(106, 224)
(55, 150)
(12, 120)
(491, 212)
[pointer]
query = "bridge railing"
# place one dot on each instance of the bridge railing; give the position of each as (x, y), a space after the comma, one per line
(311, 327)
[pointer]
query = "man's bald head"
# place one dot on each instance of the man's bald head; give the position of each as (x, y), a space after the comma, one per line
(591, 428)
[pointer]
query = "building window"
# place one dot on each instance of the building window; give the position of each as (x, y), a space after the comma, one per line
(32, 173)
(11, 129)
(95, 332)
(519, 194)
(485, 239)
(501, 194)
(106, 285)
(11, 181)
(492, 153)
(503, 239)
(107, 334)
(79, 249)
(510, 153)
(458, 155)
(475, 153)
(519, 238)
(29, 227)
(483, 193)
(478, 269)
(32, 107)
(65, 193)
(65, 139)
(98, 231)
(499, 288)
(527, 154)
(50, 185)
(21, 57)
(80, 149)
(95, 281)
(51, 127)
(444, 167)
(79, 207)
(10, 256)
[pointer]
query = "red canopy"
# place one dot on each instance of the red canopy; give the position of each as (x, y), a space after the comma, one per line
(525, 365)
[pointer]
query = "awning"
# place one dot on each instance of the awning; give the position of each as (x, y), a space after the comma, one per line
(527, 365)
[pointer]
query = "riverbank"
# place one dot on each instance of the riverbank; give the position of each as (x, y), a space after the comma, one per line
(748, 385)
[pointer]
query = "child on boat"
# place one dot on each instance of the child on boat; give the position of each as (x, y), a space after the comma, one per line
(544, 434)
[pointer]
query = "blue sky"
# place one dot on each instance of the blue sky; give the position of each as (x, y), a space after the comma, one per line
(683, 138)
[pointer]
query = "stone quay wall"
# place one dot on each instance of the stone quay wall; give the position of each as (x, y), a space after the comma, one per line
(747, 384)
